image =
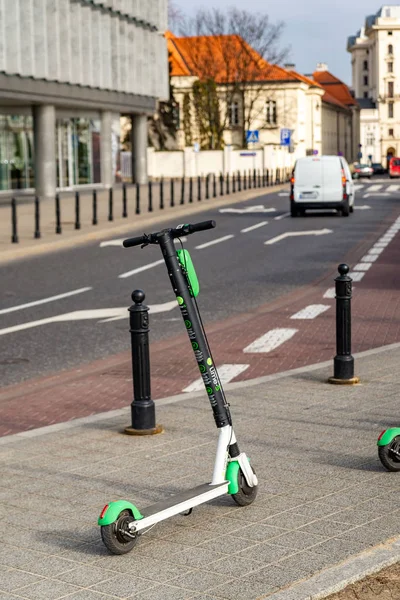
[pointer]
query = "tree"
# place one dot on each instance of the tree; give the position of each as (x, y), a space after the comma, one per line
(233, 60)
(175, 16)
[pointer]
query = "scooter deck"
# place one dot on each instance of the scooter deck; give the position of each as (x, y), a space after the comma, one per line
(180, 502)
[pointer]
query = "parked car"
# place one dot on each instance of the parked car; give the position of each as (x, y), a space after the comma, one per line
(321, 182)
(359, 170)
(378, 168)
(394, 167)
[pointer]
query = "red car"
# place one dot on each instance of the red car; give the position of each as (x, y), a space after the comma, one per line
(394, 167)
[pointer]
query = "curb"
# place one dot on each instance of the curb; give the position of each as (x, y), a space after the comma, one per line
(340, 576)
(9, 439)
(81, 239)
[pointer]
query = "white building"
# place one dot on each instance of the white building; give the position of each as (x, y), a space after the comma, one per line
(375, 51)
(68, 70)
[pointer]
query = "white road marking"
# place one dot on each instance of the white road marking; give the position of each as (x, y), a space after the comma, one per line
(217, 241)
(374, 250)
(44, 300)
(105, 314)
(254, 227)
(376, 194)
(297, 233)
(270, 340)
(140, 269)
(284, 194)
(393, 188)
(119, 242)
(279, 217)
(374, 188)
(386, 238)
(364, 266)
(311, 311)
(370, 258)
(249, 209)
(357, 275)
(358, 186)
(226, 374)
(330, 293)
(362, 207)
(381, 244)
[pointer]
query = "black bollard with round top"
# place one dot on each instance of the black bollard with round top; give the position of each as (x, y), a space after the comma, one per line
(143, 411)
(343, 363)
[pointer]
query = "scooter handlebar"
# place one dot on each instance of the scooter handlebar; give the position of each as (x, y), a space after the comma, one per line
(135, 241)
(202, 226)
(152, 238)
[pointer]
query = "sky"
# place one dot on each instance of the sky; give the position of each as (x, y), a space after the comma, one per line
(315, 30)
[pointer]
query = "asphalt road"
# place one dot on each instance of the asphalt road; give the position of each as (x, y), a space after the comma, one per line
(236, 275)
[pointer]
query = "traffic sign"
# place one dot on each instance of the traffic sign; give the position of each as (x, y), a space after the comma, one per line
(252, 136)
(285, 137)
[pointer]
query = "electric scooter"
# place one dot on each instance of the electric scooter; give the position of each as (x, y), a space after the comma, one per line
(122, 522)
(389, 448)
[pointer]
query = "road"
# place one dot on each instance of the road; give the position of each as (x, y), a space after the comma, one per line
(255, 256)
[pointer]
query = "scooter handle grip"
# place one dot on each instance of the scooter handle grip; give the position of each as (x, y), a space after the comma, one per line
(202, 226)
(135, 241)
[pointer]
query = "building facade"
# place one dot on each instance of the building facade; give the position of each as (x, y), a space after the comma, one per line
(318, 109)
(375, 52)
(68, 70)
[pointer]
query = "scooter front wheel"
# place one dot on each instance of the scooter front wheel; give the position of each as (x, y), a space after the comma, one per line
(390, 454)
(246, 494)
(117, 537)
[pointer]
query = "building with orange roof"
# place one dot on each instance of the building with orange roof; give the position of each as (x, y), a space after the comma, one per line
(253, 95)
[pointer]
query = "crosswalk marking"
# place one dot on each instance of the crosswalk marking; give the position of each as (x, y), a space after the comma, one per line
(330, 293)
(393, 188)
(375, 188)
(226, 374)
(270, 340)
(311, 311)
(357, 275)
(364, 266)
(358, 187)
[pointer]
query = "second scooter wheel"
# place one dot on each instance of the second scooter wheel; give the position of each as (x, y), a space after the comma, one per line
(390, 454)
(116, 536)
(246, 494)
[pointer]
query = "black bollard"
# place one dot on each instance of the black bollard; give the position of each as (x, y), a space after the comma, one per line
(138, 199)
(221, 184)
(183, 190)
(172, 192)
(227, 183)
(191, 189)
(239, 182)
(233, 183)
(58, 214)
(245, 180)
(343, 363)
(143, 411)
(208, 186)
(162, 193)
(150, 207)
(110, 205)
(249, 180)
(254, 178)
(36, 234)
(124, 202)
(14, 234)
(214, 186)
(94, 207)
(198, 188)
(77, 211)
(259, 178)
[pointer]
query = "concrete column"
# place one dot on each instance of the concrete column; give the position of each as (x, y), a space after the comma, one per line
(44, 125)
(107, 176)
(139, 148)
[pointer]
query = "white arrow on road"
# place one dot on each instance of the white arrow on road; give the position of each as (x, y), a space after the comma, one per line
(376, 194)
(249, 209)
(103, 315)
(297, 233)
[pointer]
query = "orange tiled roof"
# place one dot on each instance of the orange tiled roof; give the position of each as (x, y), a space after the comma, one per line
(224, 58)
(335, 88)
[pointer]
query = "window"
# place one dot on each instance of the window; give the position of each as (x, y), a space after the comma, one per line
(271, 112)
(365, 79)
(390, 49)
(391, 132)
(390, 89)
(390, 67)
(390, 32)
(370, 139)
(365, 65)
(365, 94)
(234, 114)
(390, 110)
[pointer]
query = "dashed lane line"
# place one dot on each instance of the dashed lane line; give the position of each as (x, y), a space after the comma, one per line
(270, 340)
(140, 269)
(4, 311)
(217, 241)
(256, 226)
(311, 311)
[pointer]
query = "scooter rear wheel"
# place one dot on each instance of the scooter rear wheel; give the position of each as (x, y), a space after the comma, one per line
(116, 536)
(389, 454)
(246, 494)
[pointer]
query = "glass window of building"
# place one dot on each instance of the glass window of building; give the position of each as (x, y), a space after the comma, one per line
(271, 116)
(78, 152)
(390, 110)
(16, 152)
(390, 67)
(234, 114)
(390, 89)
(391, 132)
(390, 49)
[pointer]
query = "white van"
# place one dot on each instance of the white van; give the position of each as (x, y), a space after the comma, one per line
(321, 182)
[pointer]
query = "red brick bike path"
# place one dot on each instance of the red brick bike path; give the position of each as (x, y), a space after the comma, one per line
(107, 384)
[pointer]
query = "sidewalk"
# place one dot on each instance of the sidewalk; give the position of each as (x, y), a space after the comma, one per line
(50, 240)
(323, 496)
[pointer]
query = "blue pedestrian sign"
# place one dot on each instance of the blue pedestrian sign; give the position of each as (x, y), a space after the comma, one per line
(252, 137)
(285, 137)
